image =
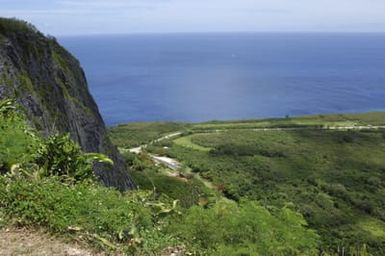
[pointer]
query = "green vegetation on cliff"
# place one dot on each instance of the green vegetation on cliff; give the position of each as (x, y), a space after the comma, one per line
(16, 26)
(50, 84)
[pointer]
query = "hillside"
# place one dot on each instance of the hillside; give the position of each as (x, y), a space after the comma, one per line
(330, 168)
(48, 183)
(51, 86)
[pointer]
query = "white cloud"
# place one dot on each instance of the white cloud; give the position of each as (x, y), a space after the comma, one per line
(125, 16)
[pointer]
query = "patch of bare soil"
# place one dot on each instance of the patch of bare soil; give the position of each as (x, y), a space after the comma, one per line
(15, 242)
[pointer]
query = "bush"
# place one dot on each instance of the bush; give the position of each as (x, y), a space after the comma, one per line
(229, 228)
(22, 149)
(103, 216)
(18, 143)
(188, 193)
(60, 156)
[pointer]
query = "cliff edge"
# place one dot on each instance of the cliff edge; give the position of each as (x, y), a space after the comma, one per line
(50, 83)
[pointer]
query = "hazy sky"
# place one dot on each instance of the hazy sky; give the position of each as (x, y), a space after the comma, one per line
(64, 17)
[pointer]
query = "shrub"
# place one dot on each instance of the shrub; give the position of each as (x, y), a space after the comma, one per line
(18, 143)
(20, 147)
(103, 216)
(187, 192)
(60, 156)
(229, 228)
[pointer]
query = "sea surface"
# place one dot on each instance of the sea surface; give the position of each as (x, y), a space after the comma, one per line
(200, 77)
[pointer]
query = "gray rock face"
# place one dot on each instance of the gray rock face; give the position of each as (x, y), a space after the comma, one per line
(49, 82)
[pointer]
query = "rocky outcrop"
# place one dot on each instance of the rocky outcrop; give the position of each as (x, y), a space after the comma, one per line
(49, 82)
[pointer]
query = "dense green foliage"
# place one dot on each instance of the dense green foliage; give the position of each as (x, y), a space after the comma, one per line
(60, 156)
(334, 177)
(21, 148)
(18, 144)
(138, 223)
(149, 177)
(188, 193)
(246, 228)
(38, 190)
(104, 217)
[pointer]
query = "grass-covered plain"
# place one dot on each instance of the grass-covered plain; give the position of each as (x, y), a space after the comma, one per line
(334, 178)
(136, 134)
(373, 118)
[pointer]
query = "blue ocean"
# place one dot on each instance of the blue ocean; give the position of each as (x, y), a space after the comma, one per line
(201, 77)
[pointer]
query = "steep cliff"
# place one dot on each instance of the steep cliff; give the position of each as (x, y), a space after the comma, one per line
(49, 82)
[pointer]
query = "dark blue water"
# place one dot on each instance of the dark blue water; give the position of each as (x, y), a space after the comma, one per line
(201, 77)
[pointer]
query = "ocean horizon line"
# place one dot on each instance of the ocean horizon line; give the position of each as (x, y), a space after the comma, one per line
(227, 33)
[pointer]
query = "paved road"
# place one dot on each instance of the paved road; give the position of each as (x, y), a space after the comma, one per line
(139, 149)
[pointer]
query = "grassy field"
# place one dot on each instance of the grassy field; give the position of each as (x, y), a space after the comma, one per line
(374, 118)
(136, 134)
(186, 142)
(334, 178)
